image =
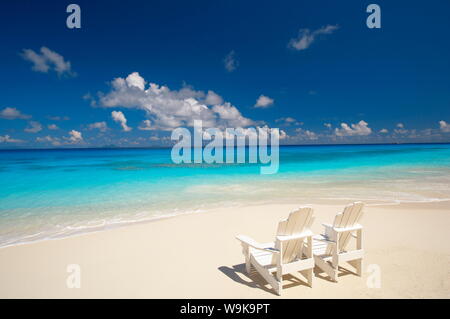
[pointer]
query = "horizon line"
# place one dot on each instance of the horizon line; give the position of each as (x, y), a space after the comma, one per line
(168, 147)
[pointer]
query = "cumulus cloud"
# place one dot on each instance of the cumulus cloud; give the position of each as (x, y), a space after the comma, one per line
(168, 108)
(231, 115)
(33, 127)
(55, 141)
(75, 137)
(327, 125)
(287, 121)
(361, 128)
(146, 125)
(401, 129)
(282, 135)
(47, 60)
(101, 126)
(11, 113)
(9, 139)
(384, 131)
(120, 118)
(306, 37)
(135, 80)
(52, 127)
(213, 98)
(444, 126)
(264, 101)
(305, 134)
(230, 62)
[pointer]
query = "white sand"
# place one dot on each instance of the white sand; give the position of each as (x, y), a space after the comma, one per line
(196, 256)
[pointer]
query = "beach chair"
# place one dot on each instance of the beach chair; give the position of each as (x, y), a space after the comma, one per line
(291, 251)
(333, 247)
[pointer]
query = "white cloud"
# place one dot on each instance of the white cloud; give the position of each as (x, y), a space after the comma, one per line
(287, 121)
(55, 141)
(306, 37)
(146, 125)
(120, 118)
(444, 126)
(281, 133)
(384, 131)
(101, 126)
(134, 79)
(401, 129)
(33, 127)
(327, 125)
(52, 127)
(75, 137)
(213, 98)
(168, 109)
(264, 101)
(231, 115)
(11, 113)
(8, 139)
(305, 134)
(361, 128)
(230, 61)
(47, 60)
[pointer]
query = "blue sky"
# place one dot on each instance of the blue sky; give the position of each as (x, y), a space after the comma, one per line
(349, 84)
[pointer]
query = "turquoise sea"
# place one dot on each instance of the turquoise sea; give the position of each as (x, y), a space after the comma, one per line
(56, 193)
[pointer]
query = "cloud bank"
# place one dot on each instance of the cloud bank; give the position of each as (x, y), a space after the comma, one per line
(359, 129)
(168, 109)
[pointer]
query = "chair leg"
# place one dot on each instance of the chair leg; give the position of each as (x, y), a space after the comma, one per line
(246, 252)
(334, 277)
(279, 278)
(326, 267)
(279, 289)
(359, 267)
(248, 265)
(310, 276)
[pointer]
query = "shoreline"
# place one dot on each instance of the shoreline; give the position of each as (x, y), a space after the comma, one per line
(197, 256)
(118, 225)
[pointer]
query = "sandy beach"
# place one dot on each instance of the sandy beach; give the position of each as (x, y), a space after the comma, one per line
(197, 256)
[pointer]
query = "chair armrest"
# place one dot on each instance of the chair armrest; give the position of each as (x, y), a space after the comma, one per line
(296, 236)
(245, 240)
(343, 229)
(324, 239)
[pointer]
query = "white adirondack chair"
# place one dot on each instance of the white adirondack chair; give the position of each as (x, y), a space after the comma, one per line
(291, 251)
(332, 248)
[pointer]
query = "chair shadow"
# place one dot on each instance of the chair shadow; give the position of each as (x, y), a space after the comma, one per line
(255, 280)
(318, 273)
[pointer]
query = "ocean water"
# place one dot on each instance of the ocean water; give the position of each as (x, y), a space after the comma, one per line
(48, 194)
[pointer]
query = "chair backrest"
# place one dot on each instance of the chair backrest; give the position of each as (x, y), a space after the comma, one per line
(351, 216)
(298, 222)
